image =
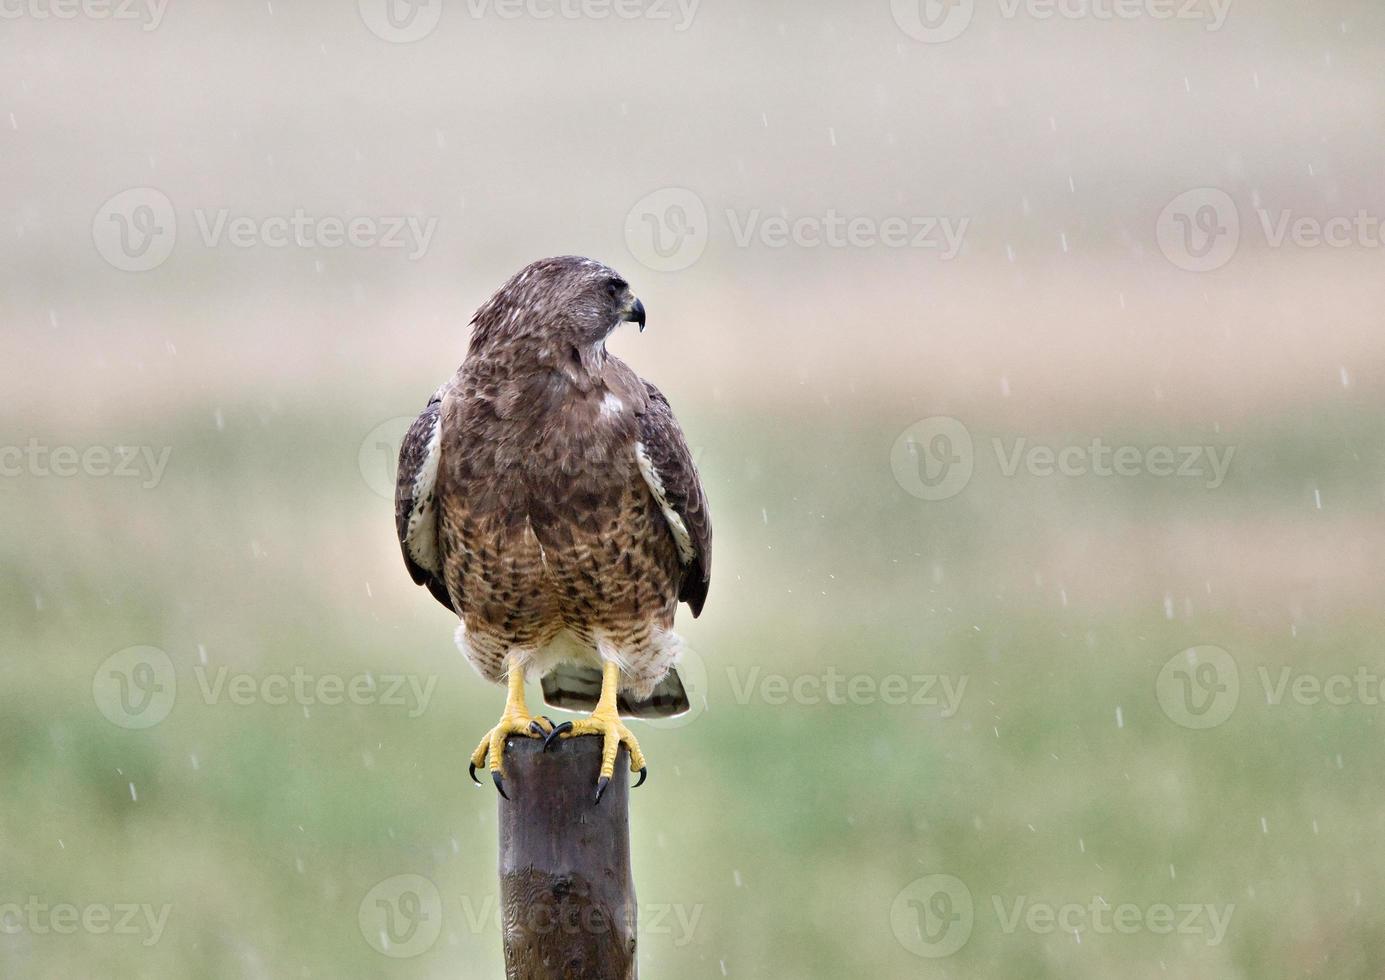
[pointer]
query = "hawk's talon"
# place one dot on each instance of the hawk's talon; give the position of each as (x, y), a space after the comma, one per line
(515, 721)
(472, 767)
(644, 774)
(607, 724)
(492, 747)
(558, 730)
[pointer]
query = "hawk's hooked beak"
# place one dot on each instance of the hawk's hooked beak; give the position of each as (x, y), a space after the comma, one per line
(635, 314)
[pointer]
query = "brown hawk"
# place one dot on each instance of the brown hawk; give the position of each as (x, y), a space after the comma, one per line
(547, 496)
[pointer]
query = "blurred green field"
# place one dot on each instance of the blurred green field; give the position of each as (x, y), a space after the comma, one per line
(779, 834)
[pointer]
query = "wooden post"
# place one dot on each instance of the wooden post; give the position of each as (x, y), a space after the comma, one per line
(566, 889)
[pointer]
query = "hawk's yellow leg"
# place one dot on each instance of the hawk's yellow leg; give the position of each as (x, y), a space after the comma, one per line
(515, 721)
(605, 721)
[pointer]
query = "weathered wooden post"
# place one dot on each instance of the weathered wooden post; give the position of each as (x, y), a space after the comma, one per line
(566, 889)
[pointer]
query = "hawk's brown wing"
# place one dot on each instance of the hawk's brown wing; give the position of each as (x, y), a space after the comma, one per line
(673, 478)
(415, 500)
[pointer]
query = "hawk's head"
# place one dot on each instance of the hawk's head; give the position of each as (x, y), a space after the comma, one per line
(565, 303)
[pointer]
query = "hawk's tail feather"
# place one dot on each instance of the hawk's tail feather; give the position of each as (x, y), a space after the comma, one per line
(575, 688)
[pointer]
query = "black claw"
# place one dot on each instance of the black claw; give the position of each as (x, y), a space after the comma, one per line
(473, 775)
(500, 784)
(644, 774)
(553, 735)
(536, 729)
(551, 722)
(601, 785)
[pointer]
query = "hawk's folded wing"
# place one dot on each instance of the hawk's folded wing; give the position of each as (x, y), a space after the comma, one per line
(415, 500)
(668, 468)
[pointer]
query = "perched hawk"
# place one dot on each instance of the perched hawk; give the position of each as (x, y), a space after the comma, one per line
(546, 495)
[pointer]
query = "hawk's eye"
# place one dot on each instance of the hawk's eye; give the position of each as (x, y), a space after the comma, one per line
(615, 287)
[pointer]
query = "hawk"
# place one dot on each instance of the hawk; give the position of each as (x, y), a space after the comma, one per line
(547, 496)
